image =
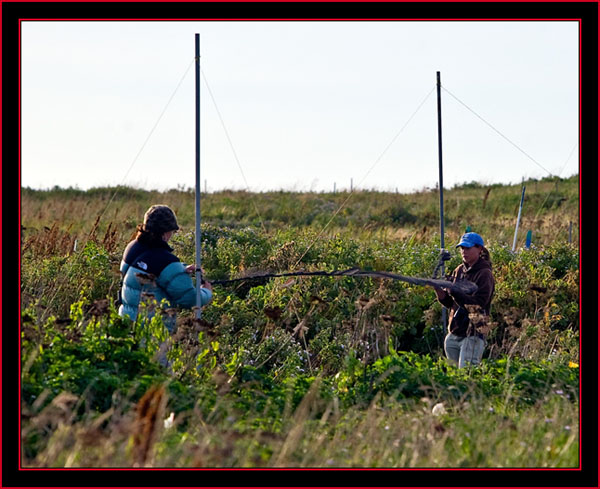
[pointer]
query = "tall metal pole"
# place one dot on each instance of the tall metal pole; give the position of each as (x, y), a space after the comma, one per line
(518, 218)
(198, 234)
(441, 180)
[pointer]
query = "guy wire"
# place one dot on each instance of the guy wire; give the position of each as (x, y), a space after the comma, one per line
(365, 176)
(494, 129)
(148, 137)
(61, 284)
(516, 146)
(233, 150)
(558, 175)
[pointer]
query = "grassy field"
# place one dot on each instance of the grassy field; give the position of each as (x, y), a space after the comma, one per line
(550, 205)
(303, 372)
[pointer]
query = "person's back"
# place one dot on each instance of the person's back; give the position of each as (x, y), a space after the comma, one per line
(151, 271)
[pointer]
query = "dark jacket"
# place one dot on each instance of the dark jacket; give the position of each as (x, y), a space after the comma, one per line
(150, 269)
(481, 274)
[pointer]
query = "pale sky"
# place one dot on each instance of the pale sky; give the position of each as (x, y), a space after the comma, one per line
(306, 105)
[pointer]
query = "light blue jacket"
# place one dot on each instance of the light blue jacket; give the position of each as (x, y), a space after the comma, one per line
(156, 272)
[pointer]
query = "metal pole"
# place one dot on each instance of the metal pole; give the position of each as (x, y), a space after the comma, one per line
(441, 181)
(441, 177)
(518, 219)
(198, 234)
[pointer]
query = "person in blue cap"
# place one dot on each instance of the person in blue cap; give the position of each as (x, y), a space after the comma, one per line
(466, 339)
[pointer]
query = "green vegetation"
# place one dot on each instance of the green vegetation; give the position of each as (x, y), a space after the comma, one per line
(302, 372)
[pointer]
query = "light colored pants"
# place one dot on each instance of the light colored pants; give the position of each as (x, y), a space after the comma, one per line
(464, 350)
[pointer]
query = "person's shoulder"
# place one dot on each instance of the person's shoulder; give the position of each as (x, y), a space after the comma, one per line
(485, 270)
(131, 244)
(133, 249)
(167, 252)
(164, 257)
(153, 258)
(486, 265)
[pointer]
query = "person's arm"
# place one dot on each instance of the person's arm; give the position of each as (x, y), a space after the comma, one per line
(178, 284)
(443, 296)
(481, 297)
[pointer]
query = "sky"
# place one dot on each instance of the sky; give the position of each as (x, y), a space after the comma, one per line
(301, 106)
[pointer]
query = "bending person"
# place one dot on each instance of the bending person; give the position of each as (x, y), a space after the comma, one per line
(150, 269)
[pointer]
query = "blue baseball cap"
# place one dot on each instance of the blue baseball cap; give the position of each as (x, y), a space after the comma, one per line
(470, 239)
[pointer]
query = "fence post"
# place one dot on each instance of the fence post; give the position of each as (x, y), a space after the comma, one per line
(518, 219)
(570, 232)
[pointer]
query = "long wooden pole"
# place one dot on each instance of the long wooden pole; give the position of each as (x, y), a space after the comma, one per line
(198, 233)
(441, 180)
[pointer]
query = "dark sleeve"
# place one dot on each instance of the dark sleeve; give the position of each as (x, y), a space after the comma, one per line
(485, 287)
(448, 301)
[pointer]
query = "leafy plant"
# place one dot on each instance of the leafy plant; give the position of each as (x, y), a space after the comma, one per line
(303, 371)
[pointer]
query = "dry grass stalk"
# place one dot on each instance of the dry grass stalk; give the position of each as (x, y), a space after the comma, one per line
(51, 241)
(149, 417)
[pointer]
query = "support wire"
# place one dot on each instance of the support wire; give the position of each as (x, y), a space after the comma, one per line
(494, 129)
(365, 176)
(149, 136)
(237, 160)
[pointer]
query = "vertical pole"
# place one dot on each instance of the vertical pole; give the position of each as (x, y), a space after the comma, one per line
(518, 218)
(570, 232)
(441, 182)
(441, 176)
(198, 234)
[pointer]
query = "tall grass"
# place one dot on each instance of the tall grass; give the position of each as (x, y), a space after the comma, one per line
(435, 430)
(550, 205)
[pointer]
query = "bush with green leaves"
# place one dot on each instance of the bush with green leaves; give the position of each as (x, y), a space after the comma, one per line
(298, 369)
(53, 283)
